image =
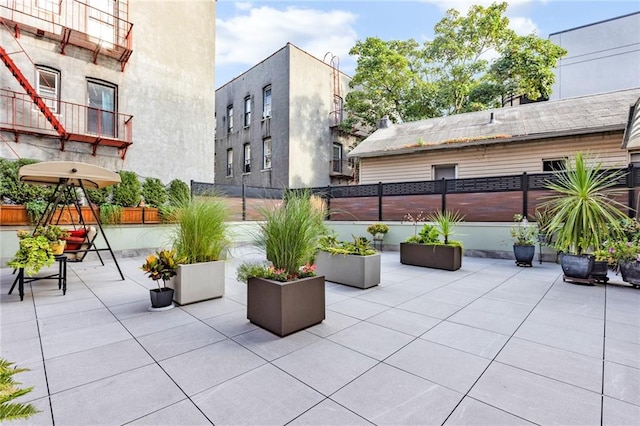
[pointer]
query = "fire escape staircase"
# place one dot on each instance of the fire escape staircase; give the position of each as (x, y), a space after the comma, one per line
(37, 99)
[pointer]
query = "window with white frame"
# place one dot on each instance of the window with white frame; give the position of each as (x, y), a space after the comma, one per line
(247, 111)
(102, 108)
(445, 171)
(246, 167)
(266, 102)
(337, 157)
(48, 86)
(555, 164)
(229, 162)
(266, 154)
(229, 118)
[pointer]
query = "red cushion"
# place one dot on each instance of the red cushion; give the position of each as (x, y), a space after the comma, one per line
(78, 233)
(74, 243)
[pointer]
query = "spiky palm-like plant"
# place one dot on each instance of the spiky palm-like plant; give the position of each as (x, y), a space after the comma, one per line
(9, 391)
(445, 221)
(584, 211)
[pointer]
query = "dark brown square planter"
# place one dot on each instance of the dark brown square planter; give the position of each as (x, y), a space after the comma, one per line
(431, 256)
(284, 308)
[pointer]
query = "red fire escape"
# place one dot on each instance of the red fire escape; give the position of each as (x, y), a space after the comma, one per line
(68, 122)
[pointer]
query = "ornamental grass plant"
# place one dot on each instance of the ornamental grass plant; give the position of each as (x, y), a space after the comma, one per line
(202, 230)
(289, 236)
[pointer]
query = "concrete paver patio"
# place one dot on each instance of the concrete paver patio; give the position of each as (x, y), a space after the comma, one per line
(489, 344)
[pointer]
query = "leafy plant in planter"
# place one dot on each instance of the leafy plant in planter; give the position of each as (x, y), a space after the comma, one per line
(35, 210)
(161, 266)
(12, 190)
(426, 248)
(201, 241)
(55, 235)
(289, 236)
(34, 254)
(352, 263)
(128, 192)
(582, 207)
(9, 391)
(110, 214)
(154, 192)
(524, 239)
(378, 231)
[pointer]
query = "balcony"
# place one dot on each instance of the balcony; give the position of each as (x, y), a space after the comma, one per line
(84, 124)
(103, 31)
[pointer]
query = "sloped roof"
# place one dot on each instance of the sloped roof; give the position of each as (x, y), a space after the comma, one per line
(563, 117)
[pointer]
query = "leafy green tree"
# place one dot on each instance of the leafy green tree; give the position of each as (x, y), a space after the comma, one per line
(474, 62)
(154, 192)
(178, 192)
(389, 82)
(16, 192)
(128, 192)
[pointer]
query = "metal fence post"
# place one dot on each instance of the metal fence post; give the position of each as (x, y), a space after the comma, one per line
(191, 188)
(525, 194)
(328, 197)
(444, 195)
(379, 201)
(244, 204)
(631, 184)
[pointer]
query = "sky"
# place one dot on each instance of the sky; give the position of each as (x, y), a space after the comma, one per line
(247, 32)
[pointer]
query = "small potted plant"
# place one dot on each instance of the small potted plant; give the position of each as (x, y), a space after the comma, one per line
(426, 249)
(356, 263)
(33, 254)
(377, 231)
(161, 266)
(625, 257)
(56, 235)
(524, 239)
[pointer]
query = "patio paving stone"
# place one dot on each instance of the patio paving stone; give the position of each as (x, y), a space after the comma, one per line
(269, 346)
(153, 322)
(325, 366)
(465, 338)
(329, 413)
(404, 321)
(206, 367)
(79, 368)
(386, 395)
(178, 340)
(622, 382)
(358, 308)
(71, 341)
(211, 308)
(371, 340)
(562, 338)
(138, 392)
(426, 306)
(622, 352)
(333, 323)
(231, 324)
(568, 367)
(181, 413)
(626, 332)
(473, 412)
(264, 396)
(440, 364)
(536, 398)
(618, 413)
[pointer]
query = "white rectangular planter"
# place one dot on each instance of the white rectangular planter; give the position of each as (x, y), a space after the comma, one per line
(198, 281)
(349, 269)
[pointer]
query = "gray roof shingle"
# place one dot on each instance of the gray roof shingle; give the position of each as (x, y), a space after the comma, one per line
(581, 115)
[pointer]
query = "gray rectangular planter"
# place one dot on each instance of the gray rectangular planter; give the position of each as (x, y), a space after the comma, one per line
(198, 281)
(285, 307)
(349, 269)
(431, 256)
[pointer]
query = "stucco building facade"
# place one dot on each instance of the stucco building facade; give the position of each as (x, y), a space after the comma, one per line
(277, 124)
(129, 84)
(601, 57)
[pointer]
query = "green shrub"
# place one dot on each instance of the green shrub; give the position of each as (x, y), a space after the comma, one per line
(99, 196)
(178, 192)
(154, 192)
(128, 193)
(35, 210)
(34, 253)
(110, 214)
(12, 191)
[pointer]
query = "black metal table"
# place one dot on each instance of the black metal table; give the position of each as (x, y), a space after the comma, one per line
(61, 276)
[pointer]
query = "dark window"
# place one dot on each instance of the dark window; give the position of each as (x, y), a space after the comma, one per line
(229, 118)
(247, 159)
(446, 171)
(102, 108)
(247, 111)
(229, 162)
(554, 165)
(337, 157)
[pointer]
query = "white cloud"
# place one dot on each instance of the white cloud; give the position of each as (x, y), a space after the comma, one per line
(255, 33)
(522, 26)
(464, 5)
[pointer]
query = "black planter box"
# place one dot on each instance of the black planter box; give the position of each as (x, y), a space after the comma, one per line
(431, 256)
